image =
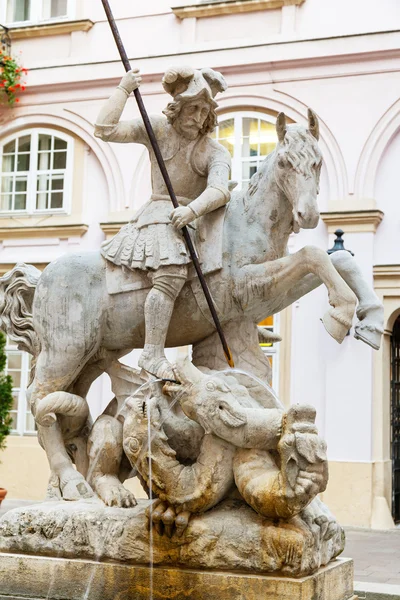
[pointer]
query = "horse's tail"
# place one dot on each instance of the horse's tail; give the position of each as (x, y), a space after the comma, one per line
(17, 289)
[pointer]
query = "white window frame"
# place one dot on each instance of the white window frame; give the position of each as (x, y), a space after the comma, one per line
(238, 160)
(23, 405)
(36, 14)
(33, 172)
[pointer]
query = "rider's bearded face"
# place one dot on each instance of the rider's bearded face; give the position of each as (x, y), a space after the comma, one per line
(191, 118)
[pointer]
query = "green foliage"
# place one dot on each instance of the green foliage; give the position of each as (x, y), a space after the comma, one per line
(6, 398)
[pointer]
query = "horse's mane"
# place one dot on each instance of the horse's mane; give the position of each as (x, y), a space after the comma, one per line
(299, 148)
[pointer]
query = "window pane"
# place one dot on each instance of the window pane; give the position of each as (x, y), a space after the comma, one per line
(57, 200)
(15, 400)
(268, 138)
(42, 187)
(23, 162)
(60, 160)
(13, 416)
(57, 183)
(14, 361)
(10, 147)
(16, 377)
(21, 10)
(20, 184)
(226, 129)
(44, 142)
(226, 135)
(6, 184)
(24, 143)
(8, 163)
(44, 161)
(20, 202)
(60, 144)
(6, 202)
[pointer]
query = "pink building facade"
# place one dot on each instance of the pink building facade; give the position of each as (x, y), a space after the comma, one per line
(340, 58)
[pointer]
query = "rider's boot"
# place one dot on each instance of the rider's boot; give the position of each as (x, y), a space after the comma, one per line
(158, 309)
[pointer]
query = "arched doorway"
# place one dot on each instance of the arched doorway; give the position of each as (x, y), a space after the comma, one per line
(395, 419)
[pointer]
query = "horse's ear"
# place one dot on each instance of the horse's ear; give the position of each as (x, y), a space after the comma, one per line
(281, 127)
(313, 123)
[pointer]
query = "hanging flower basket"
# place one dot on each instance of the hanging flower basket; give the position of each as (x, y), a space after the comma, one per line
(11, 75)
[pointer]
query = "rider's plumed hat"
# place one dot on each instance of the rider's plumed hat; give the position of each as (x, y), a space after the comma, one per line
(185, 83)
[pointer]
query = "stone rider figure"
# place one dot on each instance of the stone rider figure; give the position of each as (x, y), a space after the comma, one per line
(199, 169)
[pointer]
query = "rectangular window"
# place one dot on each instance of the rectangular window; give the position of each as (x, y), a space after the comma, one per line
(18, 367)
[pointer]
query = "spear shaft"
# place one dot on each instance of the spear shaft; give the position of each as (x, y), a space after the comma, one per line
(164, 173)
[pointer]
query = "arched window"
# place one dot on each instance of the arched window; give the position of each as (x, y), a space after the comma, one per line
(249, 137)
(36, 172)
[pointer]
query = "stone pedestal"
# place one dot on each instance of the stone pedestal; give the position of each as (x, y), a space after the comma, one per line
(231, 537)
(39, 578)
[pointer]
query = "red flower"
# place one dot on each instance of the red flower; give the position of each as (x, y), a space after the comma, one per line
(16, 99)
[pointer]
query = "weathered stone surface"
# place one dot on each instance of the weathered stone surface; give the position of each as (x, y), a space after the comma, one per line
(65, 579)
(230, 537)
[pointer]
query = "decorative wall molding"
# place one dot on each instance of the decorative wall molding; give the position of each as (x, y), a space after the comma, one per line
(387, 276)
(353, 221)
(228, 7)
(42, 231)
(111, 229)
(46, 29)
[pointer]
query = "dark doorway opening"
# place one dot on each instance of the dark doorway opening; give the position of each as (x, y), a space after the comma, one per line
(395, 419)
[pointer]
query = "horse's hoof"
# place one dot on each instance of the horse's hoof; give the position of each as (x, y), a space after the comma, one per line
(77, 489)
(368, 335)
(334, 327)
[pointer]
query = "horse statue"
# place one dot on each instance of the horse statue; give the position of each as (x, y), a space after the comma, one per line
(76, 330)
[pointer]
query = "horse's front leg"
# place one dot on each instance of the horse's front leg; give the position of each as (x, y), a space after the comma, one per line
(284, 275)
(370, 324)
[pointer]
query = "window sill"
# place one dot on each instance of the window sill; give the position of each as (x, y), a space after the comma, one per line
(46, 29)
(228, 7)
(58, 227)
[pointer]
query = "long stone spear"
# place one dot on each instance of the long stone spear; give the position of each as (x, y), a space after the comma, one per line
(164, 173)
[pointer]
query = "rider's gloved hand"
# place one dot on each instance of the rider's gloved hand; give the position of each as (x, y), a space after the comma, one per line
(182, 216)
(131, 81)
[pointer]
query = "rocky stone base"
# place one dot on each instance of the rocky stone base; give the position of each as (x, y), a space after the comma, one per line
(39, 578)
(230, 537)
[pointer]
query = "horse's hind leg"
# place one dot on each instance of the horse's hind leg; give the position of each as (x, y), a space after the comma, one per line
(370, 324)
(48, 379)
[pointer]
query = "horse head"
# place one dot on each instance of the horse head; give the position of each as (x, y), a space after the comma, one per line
(297, 168)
